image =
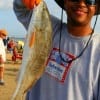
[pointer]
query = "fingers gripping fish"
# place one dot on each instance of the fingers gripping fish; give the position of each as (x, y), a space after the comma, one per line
(36, 50)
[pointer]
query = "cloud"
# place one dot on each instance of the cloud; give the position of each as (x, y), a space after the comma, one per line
(6, 4)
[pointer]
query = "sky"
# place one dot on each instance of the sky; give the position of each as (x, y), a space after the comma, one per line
(9, 21)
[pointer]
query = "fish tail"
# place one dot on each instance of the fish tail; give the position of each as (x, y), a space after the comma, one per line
(17, 95)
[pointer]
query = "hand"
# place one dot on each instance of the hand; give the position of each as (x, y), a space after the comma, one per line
(30, 4)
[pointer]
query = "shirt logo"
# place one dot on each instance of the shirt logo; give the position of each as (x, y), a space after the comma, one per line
(56, 67)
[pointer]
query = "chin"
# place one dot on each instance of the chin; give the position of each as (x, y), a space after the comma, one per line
(79, 22)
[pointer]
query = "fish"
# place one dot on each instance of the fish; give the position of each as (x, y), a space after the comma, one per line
(37, 48)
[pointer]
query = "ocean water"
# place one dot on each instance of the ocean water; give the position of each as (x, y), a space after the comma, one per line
(18, 38)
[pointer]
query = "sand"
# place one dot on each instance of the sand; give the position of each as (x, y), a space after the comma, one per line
(11, 71)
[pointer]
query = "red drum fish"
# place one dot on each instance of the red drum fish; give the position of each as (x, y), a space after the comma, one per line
(37, 48)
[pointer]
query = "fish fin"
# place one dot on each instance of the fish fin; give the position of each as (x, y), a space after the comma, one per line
(32, 39)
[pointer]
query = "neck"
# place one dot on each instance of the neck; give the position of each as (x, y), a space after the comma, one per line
(79, 30)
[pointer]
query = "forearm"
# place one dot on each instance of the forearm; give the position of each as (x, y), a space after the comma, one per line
(22, 13)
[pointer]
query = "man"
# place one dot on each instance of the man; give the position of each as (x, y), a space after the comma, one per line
(74, 62)
(3, 34)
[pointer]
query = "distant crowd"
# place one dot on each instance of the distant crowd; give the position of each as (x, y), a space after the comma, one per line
(13, 47)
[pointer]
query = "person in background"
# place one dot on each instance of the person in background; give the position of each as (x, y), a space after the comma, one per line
(11, 45)
(3, 34)
(73, 68)
(5, 41)
(16, 55)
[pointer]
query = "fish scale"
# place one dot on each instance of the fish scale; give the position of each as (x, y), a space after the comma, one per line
(37, 48)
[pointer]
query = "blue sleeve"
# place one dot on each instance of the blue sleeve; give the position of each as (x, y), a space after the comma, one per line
(22, 13)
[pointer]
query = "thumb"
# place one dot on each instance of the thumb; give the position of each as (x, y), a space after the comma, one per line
(37, 2)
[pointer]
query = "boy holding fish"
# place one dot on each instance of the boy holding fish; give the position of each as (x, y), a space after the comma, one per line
(73, 67)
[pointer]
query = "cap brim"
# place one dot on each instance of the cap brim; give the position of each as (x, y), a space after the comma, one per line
(60, 3)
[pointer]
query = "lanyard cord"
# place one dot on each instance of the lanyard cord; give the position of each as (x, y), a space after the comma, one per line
(81, 53)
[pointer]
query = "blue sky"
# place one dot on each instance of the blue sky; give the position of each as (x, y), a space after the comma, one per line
(9, 21)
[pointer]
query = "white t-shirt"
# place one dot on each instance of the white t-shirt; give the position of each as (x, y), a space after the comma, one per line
(2, 50)
(75, 81)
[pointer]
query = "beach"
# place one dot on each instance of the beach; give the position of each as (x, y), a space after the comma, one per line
(11, 71)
